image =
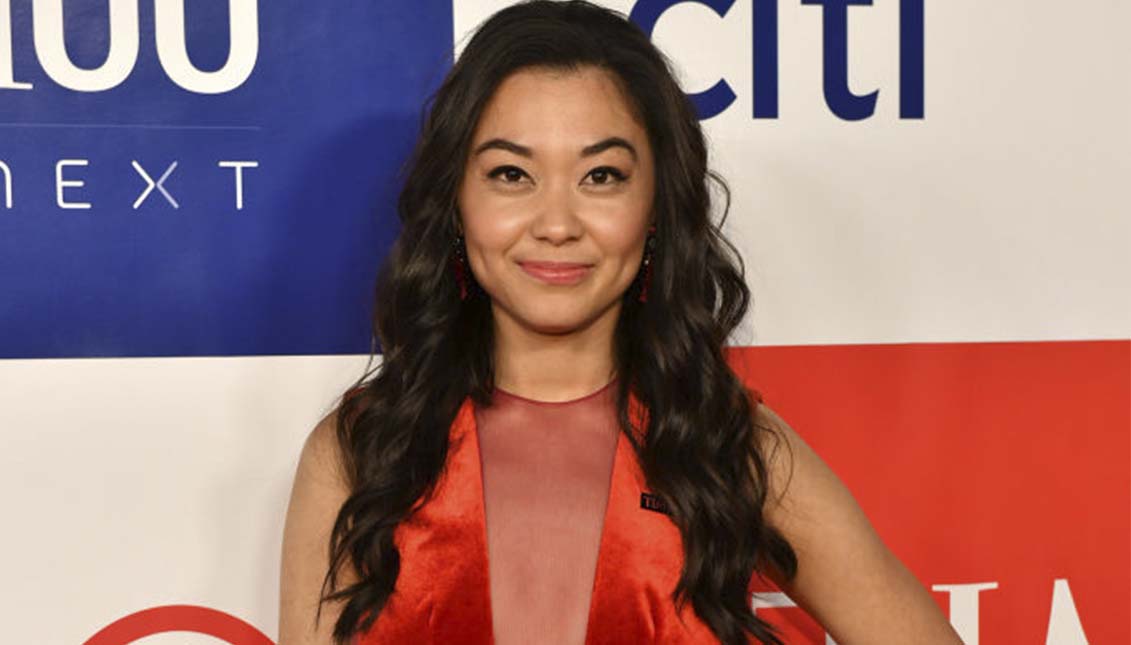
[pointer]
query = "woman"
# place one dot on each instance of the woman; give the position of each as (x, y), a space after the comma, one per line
(553, 318)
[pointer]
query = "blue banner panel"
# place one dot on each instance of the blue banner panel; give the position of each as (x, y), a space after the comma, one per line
(204, 178)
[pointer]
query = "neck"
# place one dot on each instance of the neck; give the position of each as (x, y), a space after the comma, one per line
(550, 365)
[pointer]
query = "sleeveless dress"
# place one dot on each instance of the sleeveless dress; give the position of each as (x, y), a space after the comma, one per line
(542, 530)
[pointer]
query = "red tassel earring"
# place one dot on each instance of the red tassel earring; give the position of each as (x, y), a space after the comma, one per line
(646, 279)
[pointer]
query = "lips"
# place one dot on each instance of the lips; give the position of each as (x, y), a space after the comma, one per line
(555, 266)
(556, 272)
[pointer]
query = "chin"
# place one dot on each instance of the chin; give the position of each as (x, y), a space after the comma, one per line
(551, 319)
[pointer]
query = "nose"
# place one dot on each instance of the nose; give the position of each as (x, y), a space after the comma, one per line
(556, 220)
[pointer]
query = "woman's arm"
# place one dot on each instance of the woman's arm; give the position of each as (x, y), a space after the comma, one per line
(318, 492)
(847, 579)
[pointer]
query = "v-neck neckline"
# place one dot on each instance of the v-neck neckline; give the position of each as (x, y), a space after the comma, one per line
(443, 590)
(480, 511)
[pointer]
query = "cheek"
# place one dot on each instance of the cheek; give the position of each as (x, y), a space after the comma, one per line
(475, 214)
(622, 229)
(488, 234)
(485, 212)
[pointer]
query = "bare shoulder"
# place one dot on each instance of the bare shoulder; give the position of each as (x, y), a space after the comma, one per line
(807, 500)
(796, 470)
(321, 453)
(847, 579)
(777, 441)
(317, 494)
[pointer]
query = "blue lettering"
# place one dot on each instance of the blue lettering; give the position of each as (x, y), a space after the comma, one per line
(764, 49)
(911, 46)
(838, 96)
(719, 96)
(765, 59)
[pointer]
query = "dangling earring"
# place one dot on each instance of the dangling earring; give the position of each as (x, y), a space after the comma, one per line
(459, 266)
(646, 280)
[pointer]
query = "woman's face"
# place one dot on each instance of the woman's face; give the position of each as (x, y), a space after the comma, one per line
(558, 171)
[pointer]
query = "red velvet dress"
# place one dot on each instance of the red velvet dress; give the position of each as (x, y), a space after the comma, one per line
(551, 495)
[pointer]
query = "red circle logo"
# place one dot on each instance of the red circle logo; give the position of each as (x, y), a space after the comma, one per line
(179, 618)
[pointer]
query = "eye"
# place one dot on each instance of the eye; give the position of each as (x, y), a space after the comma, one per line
(511, 174)
(606, 175)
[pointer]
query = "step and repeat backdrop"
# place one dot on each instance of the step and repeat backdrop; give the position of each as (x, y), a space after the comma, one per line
(930, 198)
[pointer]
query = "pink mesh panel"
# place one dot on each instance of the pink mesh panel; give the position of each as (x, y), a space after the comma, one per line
(546, 469)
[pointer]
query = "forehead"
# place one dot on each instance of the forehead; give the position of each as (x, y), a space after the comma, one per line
(539, 103)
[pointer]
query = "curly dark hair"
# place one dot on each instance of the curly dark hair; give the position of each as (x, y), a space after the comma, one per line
(701, 452)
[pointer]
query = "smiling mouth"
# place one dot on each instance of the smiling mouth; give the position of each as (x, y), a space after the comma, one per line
(558, 273)
(550, 265)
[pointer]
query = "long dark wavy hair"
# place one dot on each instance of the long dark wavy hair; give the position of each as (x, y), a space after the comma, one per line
(701, 451)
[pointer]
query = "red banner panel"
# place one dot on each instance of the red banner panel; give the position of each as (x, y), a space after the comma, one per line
(999, 473)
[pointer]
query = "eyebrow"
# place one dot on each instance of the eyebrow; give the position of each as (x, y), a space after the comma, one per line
(587, 151)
